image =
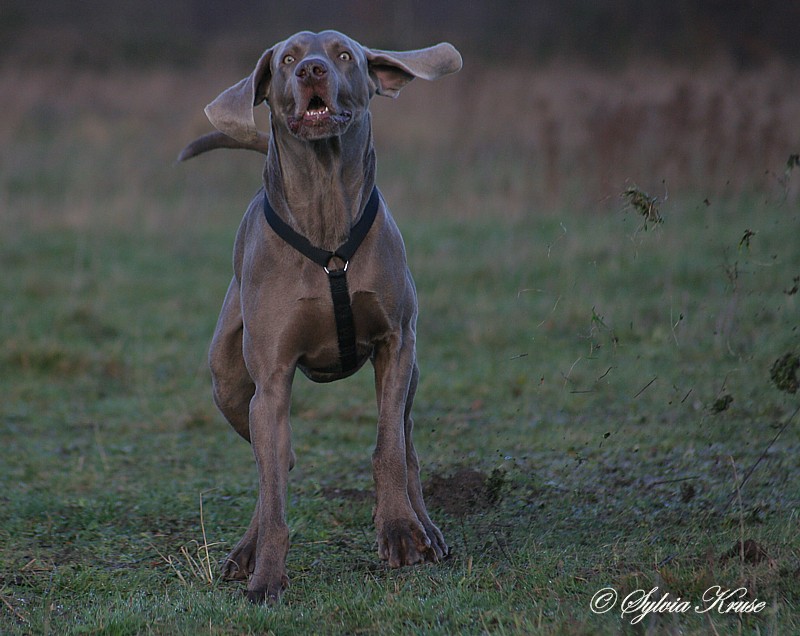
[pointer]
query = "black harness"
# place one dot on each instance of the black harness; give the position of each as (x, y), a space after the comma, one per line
(342, 309)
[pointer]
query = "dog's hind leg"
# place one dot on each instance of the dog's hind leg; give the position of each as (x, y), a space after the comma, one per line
(232, 385)
(241, 561)
(233, 389)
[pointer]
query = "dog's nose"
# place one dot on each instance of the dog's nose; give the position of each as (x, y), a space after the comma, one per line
(311, 69)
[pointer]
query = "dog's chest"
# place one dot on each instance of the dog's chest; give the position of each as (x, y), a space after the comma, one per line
(314, 318)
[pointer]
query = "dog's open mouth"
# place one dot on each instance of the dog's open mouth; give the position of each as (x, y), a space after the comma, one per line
(318, 116)
(317, 109)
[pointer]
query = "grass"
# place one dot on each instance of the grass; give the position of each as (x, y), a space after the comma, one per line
(596, 406)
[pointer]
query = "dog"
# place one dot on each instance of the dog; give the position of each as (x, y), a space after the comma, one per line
(320, 283)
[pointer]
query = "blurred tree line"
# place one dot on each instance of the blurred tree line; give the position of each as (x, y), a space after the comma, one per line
(99, 32)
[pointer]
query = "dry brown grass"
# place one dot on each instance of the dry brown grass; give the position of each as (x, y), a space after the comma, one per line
(712, 130)
(522, 138)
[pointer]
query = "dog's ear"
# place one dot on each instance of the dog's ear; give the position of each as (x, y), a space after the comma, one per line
(391, 70)
(232, 112)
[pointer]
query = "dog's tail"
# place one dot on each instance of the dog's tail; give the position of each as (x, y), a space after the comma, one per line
(216, 139)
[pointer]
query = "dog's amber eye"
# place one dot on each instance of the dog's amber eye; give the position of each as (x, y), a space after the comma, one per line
(345, 56)
(288, 59)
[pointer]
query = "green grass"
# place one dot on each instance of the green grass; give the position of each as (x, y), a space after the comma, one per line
(568, 355)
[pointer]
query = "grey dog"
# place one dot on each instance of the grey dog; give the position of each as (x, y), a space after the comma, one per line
(280, 313)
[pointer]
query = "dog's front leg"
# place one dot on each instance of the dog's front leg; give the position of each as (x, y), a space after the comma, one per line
(402, 539)
(414, 484)
(270, 435)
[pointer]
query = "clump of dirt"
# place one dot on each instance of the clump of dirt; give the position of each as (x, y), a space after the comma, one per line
(784, 372)
(495, 485)
(645, 205)
(464, 492)
(745, 240)
(688, 492)
(722, 403)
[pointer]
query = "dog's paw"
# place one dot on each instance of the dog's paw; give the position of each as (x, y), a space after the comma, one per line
(404, 542)
(240, 562)
(438, 544)
(267, 594)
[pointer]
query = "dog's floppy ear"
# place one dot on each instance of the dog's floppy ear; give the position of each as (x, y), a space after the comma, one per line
(391, 70)
(232, 112)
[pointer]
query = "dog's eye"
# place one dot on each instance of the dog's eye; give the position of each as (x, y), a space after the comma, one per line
(288, 59)
(345, 56)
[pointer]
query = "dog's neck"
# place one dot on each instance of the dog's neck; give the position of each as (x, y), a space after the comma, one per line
(321, 187)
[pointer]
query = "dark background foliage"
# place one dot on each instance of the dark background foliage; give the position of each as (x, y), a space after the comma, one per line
(97, 32)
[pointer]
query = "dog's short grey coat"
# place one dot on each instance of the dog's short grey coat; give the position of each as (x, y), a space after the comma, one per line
(277, 315)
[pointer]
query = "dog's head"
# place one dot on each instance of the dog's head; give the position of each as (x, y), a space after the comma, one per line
(318, 84)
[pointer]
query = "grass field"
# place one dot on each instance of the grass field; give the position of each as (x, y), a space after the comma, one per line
(596, 407)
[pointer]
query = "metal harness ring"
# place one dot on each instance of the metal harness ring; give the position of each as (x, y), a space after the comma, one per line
(335, 271)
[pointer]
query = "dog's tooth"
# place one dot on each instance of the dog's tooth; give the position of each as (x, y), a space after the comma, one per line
(317, 112)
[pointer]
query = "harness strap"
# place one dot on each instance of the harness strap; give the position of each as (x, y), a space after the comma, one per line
(345, 326)
(340, 294)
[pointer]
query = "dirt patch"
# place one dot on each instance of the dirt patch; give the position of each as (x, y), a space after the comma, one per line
(464, 492)
(748, 551)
